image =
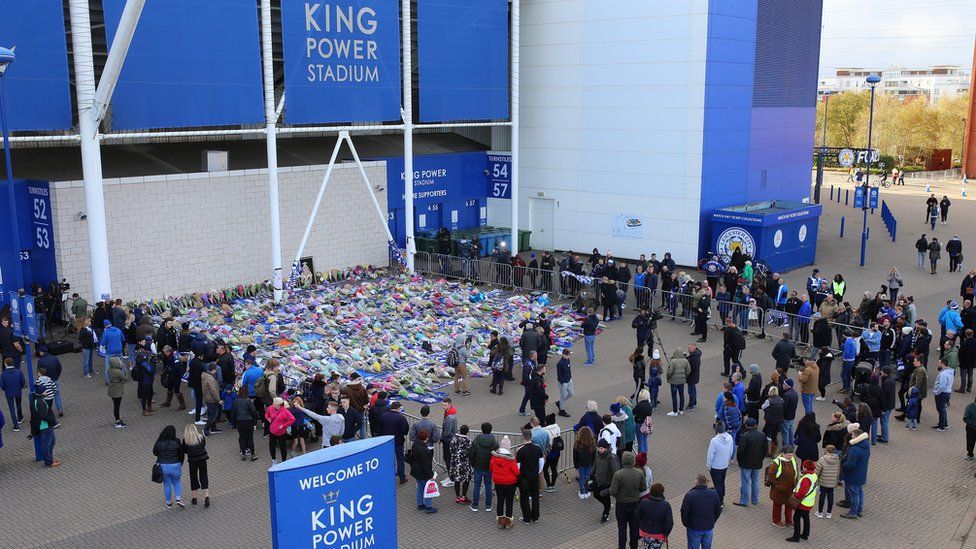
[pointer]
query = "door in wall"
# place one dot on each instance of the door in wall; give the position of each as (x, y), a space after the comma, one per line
(541, 221)
(428, 218)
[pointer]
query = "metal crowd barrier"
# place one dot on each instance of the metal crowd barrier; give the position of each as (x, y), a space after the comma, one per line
(800, 330)
(462, 268)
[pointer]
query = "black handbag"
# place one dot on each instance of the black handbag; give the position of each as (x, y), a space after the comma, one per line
(157, 473)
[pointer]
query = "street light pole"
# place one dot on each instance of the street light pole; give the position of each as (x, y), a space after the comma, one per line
(822, 152)
(872, 81)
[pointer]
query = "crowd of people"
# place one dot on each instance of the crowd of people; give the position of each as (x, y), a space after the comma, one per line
(884, 349)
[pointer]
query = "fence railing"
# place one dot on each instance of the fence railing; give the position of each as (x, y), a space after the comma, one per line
(955, 173)
(889, 220)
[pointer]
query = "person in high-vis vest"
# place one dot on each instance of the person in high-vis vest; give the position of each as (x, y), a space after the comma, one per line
(806, 493)
(781, 477)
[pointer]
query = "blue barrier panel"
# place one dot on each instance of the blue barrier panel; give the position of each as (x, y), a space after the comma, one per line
(463, 50)
(342, 61)
(191, 63)
(842, 227)
(36, 85)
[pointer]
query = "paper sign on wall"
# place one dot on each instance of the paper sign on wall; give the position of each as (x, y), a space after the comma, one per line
(627, 226)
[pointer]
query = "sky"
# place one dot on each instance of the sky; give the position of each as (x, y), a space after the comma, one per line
(889, 33)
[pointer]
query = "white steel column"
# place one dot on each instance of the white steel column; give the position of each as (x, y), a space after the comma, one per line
(91, 155)
(515, 127)
(408, 136)
(271, 135)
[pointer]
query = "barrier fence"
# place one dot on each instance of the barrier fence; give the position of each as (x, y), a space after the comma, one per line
(889, 220)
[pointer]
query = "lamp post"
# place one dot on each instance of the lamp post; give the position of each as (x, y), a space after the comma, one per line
(823, 149)
(872, 81)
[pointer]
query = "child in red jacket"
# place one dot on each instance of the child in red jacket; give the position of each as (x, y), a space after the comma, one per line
(504, 472)
(806, 494)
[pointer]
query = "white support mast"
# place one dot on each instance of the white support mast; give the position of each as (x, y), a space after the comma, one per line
(271, 114)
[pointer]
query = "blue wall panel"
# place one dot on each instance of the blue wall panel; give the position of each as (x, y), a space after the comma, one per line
(463, 50)
(191, 63)
(342, 61)
(36, 85)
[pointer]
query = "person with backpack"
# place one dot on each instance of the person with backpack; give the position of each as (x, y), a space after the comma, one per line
(116, 387)
(42, 422)
(457, 359)
(643, 420)
(498, 360)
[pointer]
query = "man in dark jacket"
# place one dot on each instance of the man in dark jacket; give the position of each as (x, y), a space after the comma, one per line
(701, 315)
(225, 361)
(394, 423)
(694, 376)
(854, 472)
(589, 336)
(954, 248)
(754, 392)
(645, 328)
(733, 343)
(753, 447)
(537, 392)
(783, 352)
(479, 454)
(422, 468)
(353, 419)
(967, 361)
(529, 341)
(626, 486)
(790, 400)
(922, 247)
(699, 513)
(889, 391)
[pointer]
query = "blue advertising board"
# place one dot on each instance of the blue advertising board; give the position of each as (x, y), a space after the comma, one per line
(343, 496)
(873, 195)
(784, 235)
(15, 317)
(30, 318)
(449, 191)
(859, 197)
(36, 256)
(463, 51)
(191, 63)
(36, 88)
(500, 175)
(342, 61)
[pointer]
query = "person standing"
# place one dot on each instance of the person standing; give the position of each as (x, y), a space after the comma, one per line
(42, 424)
(89, 342)
(459, 355)
(480, 456)
(752, 450)
(195, 450)
(11, 346)
(783, 352)
(954, 248)
(211, 398)
(702, 308)
(421, 460)
(601, 477)
(626, 486)
(642, 411)
(677, 376)
(279, 419)
(459, 466)
(700, 510)
(564, 376)
(781, 477)
(693, 355)
(537, 392)
(721, 451)
(111, 344)
(733, 343)
(144, 370)
(854, 468)
(13, 382)
(584, 454)
(935, 251)
(806, 495)
(969, 419)
(116, 387)
(944, 209)
(169, 456)
(933, 217)
(245, 416)
(529, 367)
(789, 411)
(449, 427)
(79, 310)
(644, 326)
(530, 459)
(922, 247)
(639, 369)
(889, 391)
(850, 355)
(809, 379)
(942, 390)
(828, 475)
(590, 325)
(654, 518)
(505, 472)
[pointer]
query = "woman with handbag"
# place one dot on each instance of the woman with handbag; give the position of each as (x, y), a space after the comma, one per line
(643, 420)
(169, 460)
(654, 519)
(584, 454)
(421, 460)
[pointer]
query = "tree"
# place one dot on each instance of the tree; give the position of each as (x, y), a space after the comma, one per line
(843, 118)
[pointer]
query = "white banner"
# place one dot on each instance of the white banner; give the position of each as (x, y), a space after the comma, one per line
(627, 226)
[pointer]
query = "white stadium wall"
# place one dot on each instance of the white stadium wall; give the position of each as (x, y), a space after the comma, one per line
(612, 114)
(175, 234)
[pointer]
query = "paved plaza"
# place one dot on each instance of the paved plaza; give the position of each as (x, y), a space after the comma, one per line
(920, 492)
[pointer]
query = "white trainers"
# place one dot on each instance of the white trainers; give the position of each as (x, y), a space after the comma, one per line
(581, 495)
(828, 515)
(191, 412)
(201, 422)
(681, 412)
(820, 399)
(672, 414)
(819, 514)
(447, 483)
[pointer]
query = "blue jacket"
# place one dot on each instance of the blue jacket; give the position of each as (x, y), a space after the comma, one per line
(591, 420)
(653, 378)
(914, 406)
(395, 424)
(563, 374)
(952, 321)
(782, 294)
(700, 509)
(850, 349)
(804, 313)
(873, 340)
(113, 340)
(251, 375)
(855, 464)
(12, 382)
(739, 391)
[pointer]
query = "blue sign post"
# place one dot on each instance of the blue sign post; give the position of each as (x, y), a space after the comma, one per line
(343, 496)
